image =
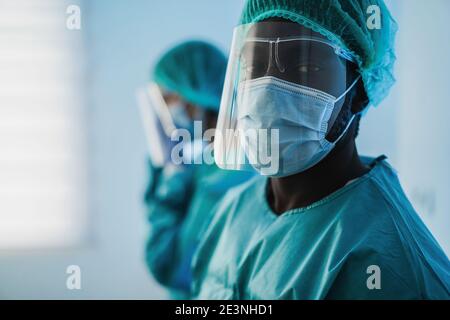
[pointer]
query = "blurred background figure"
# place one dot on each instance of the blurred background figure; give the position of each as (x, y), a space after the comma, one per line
(72, 173)
(181, 198)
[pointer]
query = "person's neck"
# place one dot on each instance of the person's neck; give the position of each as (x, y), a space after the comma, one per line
(303, 189)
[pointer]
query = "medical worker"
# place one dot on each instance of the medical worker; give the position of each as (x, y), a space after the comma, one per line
(181, 196)
(319, 222)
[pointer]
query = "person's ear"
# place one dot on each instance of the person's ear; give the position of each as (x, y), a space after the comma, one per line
(360, 100)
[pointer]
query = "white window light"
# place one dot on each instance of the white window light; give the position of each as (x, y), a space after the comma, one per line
(43, 169)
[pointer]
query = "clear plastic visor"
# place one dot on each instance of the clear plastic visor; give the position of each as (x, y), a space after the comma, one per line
(282, 50)
(290, 52)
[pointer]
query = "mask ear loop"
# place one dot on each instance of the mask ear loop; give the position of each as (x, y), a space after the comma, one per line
(348, 90)
(354, 116)
(346, 129)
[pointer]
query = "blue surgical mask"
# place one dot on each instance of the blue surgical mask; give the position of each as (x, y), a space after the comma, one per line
(301, 114)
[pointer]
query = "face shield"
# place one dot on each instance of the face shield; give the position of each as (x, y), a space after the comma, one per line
(173, 128)
(283, 88)
(157, 122)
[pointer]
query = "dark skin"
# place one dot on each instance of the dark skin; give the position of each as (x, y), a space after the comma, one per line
(342, 165)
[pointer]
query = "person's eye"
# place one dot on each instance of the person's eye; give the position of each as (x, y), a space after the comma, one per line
(308, 68)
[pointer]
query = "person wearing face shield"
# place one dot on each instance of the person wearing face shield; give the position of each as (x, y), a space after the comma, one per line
(186, 86)
(319, 221)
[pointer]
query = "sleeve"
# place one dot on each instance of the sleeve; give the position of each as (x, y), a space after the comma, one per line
(367, 276)
(167, 199)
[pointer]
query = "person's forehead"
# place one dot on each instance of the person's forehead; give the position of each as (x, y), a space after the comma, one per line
(279, 29)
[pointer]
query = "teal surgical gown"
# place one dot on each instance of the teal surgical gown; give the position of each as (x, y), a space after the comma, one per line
(180, 203)
(327, 250)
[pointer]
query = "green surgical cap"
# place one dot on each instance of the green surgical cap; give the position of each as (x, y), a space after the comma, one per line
(346, 23)
(195, 70)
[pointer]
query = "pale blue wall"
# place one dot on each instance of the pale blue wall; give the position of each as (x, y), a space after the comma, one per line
(424, 111)
(412, 124)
